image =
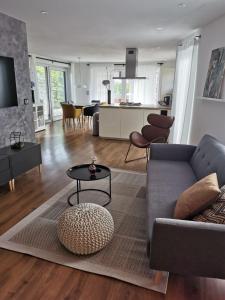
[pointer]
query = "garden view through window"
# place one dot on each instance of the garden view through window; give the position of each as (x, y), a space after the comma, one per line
(52, 90)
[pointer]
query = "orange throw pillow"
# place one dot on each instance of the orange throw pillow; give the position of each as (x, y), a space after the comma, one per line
(197, 197)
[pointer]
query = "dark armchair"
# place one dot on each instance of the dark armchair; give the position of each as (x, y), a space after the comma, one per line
(88, 111)
(157, 131)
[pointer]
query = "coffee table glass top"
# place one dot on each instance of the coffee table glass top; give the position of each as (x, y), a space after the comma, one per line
(81, 172)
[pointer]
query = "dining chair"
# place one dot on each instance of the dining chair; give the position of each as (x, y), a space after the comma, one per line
(88, 112)
(70, 112)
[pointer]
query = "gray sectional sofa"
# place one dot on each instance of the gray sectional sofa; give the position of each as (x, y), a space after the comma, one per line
(183, 246)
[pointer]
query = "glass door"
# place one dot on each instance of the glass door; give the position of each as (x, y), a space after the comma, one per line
(42, 82)
(57, 80)
(52, 90)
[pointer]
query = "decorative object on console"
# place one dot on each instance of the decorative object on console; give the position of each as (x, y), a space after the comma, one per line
(197, 197)
(16, 140)
(215, 74)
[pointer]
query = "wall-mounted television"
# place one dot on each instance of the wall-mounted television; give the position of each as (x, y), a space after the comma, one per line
(8, 93)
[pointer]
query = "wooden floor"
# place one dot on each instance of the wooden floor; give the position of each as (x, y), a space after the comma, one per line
(25, 277)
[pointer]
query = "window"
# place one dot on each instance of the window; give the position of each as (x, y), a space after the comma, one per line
(145, 91)
(52, 89)
(58, 91)
(43, 89)
(99, 73)
(184, 90)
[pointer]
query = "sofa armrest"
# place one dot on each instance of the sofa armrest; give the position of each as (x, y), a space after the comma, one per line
(188, 247)
(171, 152)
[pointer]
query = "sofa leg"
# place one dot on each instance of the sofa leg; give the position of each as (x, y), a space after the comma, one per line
(40, 168)
(127, 161)
(12, 185)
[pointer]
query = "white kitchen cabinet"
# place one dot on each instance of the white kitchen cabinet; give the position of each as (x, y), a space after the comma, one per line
(118, 122)
(109, 122)
(147, 112)
(131, 120)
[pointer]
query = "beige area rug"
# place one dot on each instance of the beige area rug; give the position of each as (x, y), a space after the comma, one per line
(124, 258)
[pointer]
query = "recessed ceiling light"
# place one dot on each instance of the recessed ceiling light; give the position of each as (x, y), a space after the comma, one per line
(159, 28)
(44, 12)
(182, 5)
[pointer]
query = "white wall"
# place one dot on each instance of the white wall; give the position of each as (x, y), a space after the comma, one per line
(208, 116)
(80, 95)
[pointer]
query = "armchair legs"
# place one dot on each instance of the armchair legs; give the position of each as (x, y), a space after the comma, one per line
(12, 185)
(125, 160)
(147, 149)
(75, 122)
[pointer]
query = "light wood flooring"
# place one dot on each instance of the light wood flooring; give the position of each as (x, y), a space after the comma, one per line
(29, 278)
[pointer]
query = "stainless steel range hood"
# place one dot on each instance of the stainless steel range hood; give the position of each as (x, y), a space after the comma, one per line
(131, 64)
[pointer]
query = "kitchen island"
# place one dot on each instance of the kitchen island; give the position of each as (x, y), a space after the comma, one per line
(118, 121)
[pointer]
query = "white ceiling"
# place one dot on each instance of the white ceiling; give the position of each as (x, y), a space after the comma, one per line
(100, 30)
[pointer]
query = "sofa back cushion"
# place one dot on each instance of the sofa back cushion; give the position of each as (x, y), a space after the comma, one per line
(209, 157)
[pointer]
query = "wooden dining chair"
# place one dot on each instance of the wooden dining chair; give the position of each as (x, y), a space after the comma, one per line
(70, 112)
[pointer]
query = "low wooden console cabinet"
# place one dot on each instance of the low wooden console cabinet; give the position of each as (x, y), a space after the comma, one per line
(16, 162)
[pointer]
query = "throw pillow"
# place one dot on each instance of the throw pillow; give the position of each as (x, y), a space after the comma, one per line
(198, 197)
(216, 212)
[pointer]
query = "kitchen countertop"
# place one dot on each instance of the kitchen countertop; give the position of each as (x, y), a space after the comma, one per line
(153, 107)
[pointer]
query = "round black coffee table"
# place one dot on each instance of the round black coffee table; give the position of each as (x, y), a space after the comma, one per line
(81, 173)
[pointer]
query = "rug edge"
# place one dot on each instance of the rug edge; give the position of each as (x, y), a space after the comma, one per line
(56, 259)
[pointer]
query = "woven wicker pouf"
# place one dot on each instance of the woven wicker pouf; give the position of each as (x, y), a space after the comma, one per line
(85, 228)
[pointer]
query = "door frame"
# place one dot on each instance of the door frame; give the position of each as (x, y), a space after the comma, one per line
(49, 65)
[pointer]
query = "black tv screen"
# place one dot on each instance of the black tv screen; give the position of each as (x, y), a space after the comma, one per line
(8, 93)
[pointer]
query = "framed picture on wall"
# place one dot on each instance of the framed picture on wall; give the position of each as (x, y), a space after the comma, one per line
(215, 76)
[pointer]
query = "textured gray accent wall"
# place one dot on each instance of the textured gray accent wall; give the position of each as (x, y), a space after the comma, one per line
(13, 43)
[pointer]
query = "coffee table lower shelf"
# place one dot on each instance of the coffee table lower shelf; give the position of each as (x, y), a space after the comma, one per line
(79, 190)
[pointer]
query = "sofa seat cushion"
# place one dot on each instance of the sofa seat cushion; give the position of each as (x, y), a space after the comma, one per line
(166, 180)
